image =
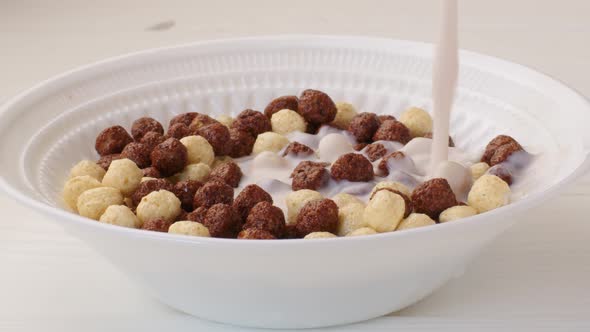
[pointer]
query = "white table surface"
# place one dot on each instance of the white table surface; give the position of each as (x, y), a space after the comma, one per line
(536, 276)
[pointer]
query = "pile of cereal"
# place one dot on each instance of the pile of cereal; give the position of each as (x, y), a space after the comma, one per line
(188, 180)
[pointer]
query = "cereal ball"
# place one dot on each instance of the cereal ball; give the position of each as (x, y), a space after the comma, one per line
(409, 206)
(213, 192)
(433, 197)
(312, 128)
(392, 130)
(345, 112)
(123, 175)
(316, 107)
(144, 125)
(241, 143)
(352, 167)
(151, 172)
(178, 131)
(200, 121)
(415, 220)
(501, 171)
(362, 231)
(218, 136)
(169, 157)
(93, 202)
(451, 143)
(105, 161)
(309, 175)
(75, 186)
(112, 140)
(152, 139)
(120, 215)
(417, 120)
(360, 146)
(504, 152)
(344, 199)
(221, 160)
(225, 120)
(185, 191)
(184, 118)
(287, 121)
(269, 141)
(183, 216)
(198, 172)
(392, 185)
(255, 234)
(297, 149)
(222, 221)
(228, 172)
(496, 150)
(157, 225)
(189, 228)
(87, 167)
(385, 117)
(488, 192)
(161, 204)
(479, 169)
(317, 216)
(350, 217)
(297, 199)
(197, 215)
(375, 151)
(281, 103)
(266, 217)
(457, 212)
(384, 211)
(252, 122)
(290, 232)
(363, 126)
(248, 198)
(319, 235)
(138, 153)
(146, 187)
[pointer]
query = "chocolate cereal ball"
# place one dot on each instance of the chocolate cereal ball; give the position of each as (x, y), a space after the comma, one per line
(297, 149)
(309, 175)
(504, 152)
(433, 197)
(281, 103)
(152, 139)
(157, 225)
(138, 153)
(178, 131)
(392, 130)
(218, 136)
(317, 107)
(375, 151)
(197, 214)
(241, 143)
(496, 147)
(501, 171)
(266, 217)
(105, 161)
(228, 172)
(151, 172)
(248, 197)
(252, 122)
(363, 126)
(112, 140)
(383, 118)
(222, 221)
(213, 192)
(169, 157)
(185, 191)
(255, 234)
(384, 163)
(149, 186)
(199, 121)
(184, 118)
(317, 216)
(352, 167)
(144, 125)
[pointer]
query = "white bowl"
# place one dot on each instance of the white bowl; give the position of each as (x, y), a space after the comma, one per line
(296, 283)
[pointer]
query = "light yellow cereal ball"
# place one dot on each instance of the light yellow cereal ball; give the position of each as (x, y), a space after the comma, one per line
(92, 203)
(120, 215)
(296, 200)
(418, 121)
(488, 192)
(362, 231)
(198, 172)
(344, 199)
(87, 167)
(319, 235)
(160, 204)
(75, 186)
(350, 217)
(124, 175)
(344, 114)
(189, 228)
(384, 211)
(269, 141)
(287, 121)
(392, 185)
(415, 220)
(479, 169)
(220, 160)
(147, 178)
(199, 150)
(457, 212)
(225, 120)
